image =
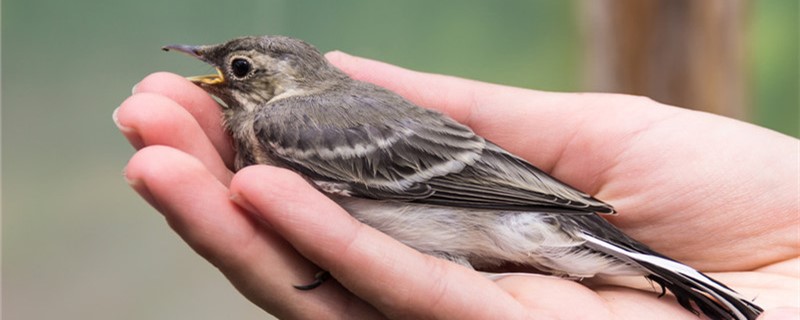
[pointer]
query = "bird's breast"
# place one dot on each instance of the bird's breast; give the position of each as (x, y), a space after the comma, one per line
(245, 142)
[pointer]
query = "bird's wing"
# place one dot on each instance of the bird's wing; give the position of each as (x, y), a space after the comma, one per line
(500, 180)
(359, 146)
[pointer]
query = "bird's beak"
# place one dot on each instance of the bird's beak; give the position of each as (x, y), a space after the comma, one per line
(197, 52)
(208, 79)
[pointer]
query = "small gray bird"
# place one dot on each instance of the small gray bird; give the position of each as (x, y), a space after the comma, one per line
(423, 178)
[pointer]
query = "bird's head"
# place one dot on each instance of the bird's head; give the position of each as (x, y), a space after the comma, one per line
(252, 71)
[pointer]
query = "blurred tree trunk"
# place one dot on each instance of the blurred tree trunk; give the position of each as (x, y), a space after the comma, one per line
(688, 53)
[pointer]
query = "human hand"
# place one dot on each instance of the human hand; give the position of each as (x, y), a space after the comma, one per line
(630, 152)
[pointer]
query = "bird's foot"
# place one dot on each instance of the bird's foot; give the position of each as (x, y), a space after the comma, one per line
(319, 278)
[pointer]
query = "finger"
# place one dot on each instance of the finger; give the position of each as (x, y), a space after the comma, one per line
(450, 95)
(556, 297)
(199, 104)
(394, 278)
(474, 103)
(197, 206)
(598, 300)
(151, 119)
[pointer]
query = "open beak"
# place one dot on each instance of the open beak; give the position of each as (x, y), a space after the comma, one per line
(209, 78)
(197, 52)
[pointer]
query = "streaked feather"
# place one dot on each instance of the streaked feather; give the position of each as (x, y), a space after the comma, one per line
(383, 147)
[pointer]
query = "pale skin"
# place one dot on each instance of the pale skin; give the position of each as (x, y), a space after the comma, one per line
(717, 194)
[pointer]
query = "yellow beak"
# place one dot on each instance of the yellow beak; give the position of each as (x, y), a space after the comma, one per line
(210, 79)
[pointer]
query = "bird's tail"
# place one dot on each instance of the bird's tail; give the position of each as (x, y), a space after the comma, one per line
(689, 286)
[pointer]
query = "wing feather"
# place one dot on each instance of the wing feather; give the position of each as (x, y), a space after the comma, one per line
(378, 145)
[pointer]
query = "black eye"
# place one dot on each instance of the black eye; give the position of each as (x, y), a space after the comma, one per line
(240, 67)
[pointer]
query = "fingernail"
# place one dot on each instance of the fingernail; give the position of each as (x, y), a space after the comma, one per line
(115, 117)
(128, 132)
(337, 55)
(133, 89)
(336, 52)
(240, 200)
(141, 188)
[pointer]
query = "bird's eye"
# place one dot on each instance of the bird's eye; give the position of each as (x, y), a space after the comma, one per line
(240, 67)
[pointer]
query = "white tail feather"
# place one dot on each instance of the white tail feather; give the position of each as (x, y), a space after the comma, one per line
(701, 281)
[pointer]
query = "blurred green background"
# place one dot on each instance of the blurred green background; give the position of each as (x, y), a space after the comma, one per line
(77, 243)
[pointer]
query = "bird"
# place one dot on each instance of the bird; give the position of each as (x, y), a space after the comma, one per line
(423, 178)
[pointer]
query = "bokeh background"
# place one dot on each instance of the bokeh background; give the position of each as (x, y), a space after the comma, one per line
(77, 243)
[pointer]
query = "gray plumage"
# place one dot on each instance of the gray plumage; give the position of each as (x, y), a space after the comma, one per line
(423, 178)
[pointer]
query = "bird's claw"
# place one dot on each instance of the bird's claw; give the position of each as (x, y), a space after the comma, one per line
(319, 278)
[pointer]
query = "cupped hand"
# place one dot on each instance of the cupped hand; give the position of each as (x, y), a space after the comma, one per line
(715, 193)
